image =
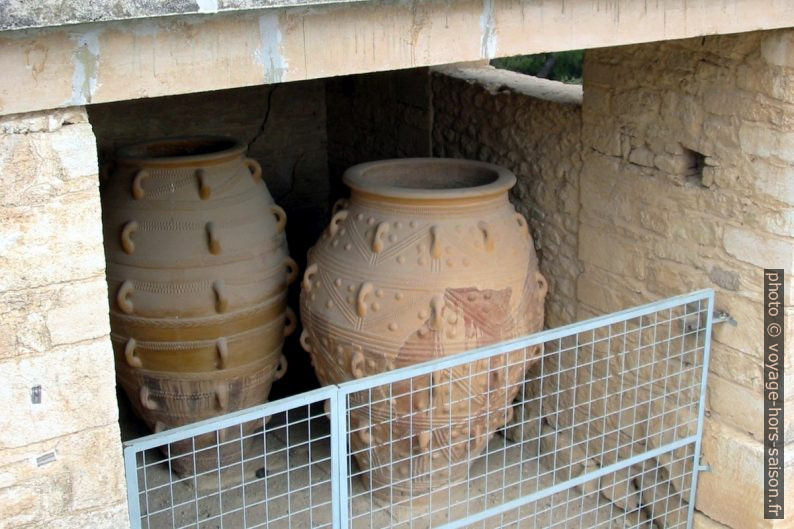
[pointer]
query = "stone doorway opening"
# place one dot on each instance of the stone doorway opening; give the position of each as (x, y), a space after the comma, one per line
(669, 173)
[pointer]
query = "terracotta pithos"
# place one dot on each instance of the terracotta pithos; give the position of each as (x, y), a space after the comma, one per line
(427, 259)
(197, 272)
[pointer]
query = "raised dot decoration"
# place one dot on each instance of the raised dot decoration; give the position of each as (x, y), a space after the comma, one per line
(414, 291)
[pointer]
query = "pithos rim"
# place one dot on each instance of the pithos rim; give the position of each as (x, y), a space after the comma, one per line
(180, 150)
(429, 179)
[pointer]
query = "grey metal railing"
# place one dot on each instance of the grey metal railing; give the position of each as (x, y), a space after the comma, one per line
(602, 428)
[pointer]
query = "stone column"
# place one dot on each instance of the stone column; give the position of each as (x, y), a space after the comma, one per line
(60, 450)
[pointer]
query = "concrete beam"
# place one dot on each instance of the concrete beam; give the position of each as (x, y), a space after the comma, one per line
(93, 63)
(25, 14)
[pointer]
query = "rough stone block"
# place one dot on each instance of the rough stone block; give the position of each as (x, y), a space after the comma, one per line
(53, 243)
(72, 463)
(758, 249)
(777, 48)
(34, 500)
(704, 522)
(80, 313)
(110, 517)
(735, 459)
(38, 166)
(77, 392)
(736, 405)
(611, 252)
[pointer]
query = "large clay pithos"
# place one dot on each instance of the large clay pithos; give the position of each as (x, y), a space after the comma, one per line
(197, 273)
(427, 259)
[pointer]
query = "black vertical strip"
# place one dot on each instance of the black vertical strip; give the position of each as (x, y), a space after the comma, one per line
(774, 422)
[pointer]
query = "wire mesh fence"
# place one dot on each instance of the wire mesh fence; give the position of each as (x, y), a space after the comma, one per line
(268, 466)
(597, 424)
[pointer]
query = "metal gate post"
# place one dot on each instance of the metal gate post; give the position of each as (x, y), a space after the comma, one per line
(339, 459)
(131, 471)
(701, 407)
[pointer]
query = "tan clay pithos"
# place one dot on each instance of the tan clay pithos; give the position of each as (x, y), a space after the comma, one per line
(427, 259)
(197, 275)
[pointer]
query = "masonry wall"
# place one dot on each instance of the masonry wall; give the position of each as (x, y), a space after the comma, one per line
(374, 117)
(688, 182)
(60, 455)
(533, 127)
(675, 174)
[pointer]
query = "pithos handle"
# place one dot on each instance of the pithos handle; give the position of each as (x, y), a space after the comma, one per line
(254, 168)
(311, 270)
(291, 322)
(377, 240)
(205, 191)
(292, 270)
(437, 307)
(222, 346)
(137, 184)
(336, 220)
(221, 298)
(281, 368)
(212, 239)
(123, 297)
(127, 232)
(361, 299)
(339, 205)
(146, 399)
(305, 341)
(281, 217)
(133, 360)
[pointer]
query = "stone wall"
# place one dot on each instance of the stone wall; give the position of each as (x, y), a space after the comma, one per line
(60, 454)
(688, 183)
(676, 175)
(533, 127)
(376, 116)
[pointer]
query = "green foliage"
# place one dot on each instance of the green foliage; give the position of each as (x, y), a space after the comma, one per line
(567, 65)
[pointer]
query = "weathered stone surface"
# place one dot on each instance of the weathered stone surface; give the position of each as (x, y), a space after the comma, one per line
(727, 100)
(79, 313)
(34, 500)
(54, 330)
(74, 480)
(759, 249)
(736, 459)
(49, 203)
(60, 149)
(778, 49)
(77, 392)
(740, 408)
(111, 517)
(704, 522)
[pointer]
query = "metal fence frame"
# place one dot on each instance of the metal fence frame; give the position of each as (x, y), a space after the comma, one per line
(337, 396)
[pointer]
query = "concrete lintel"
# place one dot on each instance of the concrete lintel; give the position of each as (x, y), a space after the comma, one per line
(27, 14)
(100, 62)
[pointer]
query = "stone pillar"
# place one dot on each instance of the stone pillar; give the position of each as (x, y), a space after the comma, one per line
(688, 182)
(60, 450)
